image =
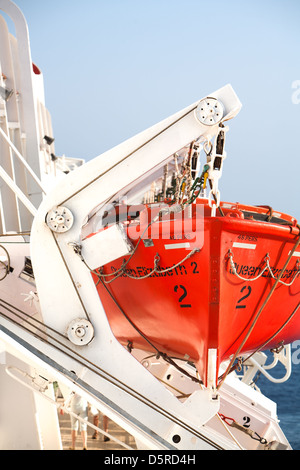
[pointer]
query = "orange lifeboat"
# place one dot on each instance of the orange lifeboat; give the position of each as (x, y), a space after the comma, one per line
(227, 284)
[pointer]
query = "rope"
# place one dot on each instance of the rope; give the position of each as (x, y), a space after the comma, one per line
(77, 248)
(272, 337)
(70, 275)
(232, 265)
(121, 271)
(234, 424)
(267, 267)
(222, 421)
(6, 305)
(115, 381)
(159, 354)
(190, 111)
(154, 270)
(228, 370)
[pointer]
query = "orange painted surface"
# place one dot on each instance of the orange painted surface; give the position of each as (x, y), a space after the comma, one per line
(201, 304)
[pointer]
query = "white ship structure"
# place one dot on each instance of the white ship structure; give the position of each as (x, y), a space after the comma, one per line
(58, 329)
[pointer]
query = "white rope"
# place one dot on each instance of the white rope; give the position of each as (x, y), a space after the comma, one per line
(154, 270)
(241, 277)
(266, 268)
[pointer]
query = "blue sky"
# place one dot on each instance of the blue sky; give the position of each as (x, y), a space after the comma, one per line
(112, 68)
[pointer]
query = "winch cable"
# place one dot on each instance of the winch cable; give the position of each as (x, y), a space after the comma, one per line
(70, 275)
(77, 249)
(169, 126)
(271, 338)
(229, 368)
(159, 353)
(9, 306)
(108, 377)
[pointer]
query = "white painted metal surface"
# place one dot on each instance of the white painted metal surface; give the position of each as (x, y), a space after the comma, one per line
(27, 159)
(53, 256)
(52, 322)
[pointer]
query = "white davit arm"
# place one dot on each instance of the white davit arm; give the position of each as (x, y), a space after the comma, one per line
(67, 293)
(95, 183)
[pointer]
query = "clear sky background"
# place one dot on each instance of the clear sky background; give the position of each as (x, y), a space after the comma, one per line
(112, 68)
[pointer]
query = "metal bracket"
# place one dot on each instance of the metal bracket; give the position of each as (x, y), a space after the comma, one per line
(258, 360)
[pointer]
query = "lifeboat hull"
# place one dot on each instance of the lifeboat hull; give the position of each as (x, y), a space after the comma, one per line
(207, 289)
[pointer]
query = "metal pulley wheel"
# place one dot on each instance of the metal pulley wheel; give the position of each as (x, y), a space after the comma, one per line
(209, 111)
(80, 332)
(60, 219)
